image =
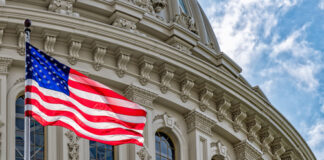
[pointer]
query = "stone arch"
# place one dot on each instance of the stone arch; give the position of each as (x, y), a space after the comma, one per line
(165, 123)
(13, 93)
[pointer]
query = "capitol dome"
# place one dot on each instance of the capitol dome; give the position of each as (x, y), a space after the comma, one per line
(161, 54)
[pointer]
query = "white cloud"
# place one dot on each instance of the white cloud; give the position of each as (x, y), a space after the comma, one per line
(321, 4)
(322, 108)
(316, 139)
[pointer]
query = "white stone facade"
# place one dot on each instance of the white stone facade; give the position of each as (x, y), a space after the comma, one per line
(157, 56)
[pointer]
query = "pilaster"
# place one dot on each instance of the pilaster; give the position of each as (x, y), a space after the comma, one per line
(2, 2)
(144, 98)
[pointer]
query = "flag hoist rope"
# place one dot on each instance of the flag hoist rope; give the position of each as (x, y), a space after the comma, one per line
(27, 118)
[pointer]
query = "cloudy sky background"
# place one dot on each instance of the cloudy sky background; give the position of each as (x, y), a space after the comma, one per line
(280, 46)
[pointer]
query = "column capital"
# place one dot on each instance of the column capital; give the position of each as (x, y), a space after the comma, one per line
(197, 120)
(141, 96)
(245, 151)
(4, 64)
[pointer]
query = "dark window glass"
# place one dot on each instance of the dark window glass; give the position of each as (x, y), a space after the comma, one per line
(100, 151)
(36, 134)
(164, 148)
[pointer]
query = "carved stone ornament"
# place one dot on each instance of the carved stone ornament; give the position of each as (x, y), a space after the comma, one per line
(266, 137)
(146, 66)
(2, 28)
(168, 120)
(63, 7)
(140, 96)
(186, 21)
(245, 151)
(238, 115)
(277, 148)
(20, 80)
(166, 74)
(223, 103)
(145, 4)
(122, 60)
(219, 150)
(179, 44)
(204, 96)
(253, 125)
(49, 41)
(125, 24)
(144, 154)
(4, 64)
(159, 5)
(73, 145)
(99, 53)
(289, 155)
(197, 120)
(21, 41)
(186, 85)
(75, 46)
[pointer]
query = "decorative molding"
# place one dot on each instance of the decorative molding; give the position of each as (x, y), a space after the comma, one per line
(140, 96)
(73, 145)
(167, 119)
(206, 92)
(19, 80)
(197, 120)
(179, 44)
(122, 60)
(49, 41)
(166, 74)
(277, 148)
(289, 155)
(219, 151)
(253, 125)
(145, 4)
(2, 28)
(245, 151)
(159, 5)
(63, 7)
(223, 103)
(75, 43)
(187, 82)
(21, 41)
(144, 153)
(238, 115)
(186, 21)
(99, 52)
(266, 137)
(126, 24)
(5, 64)
(146, 66)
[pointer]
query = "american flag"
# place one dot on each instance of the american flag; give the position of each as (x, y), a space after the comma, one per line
(56, 94)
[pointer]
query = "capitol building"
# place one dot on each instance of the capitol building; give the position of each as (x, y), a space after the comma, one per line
(161, 54)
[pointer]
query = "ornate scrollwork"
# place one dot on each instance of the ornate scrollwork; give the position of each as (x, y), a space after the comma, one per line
(186, 85)
(238, 115)
(159, 5)
(49, 41)
(144, 153)
(73, 145)
(122, 61)
(125, 24)
(204, 97)
(167, 119)
(75, 46)
(223, 103)
(99, 53)
(219, 150)
(266, 137)
(253, 125)
(145, 4)
(166, 73)
(146, 66)
(63, 7)
(277, 148)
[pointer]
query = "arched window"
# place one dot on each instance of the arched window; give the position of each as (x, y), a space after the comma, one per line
(100, 151)
(36, 134)
(182, 7)
(164, 148)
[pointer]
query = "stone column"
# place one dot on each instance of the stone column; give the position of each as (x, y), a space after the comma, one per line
(2, 2)
(4, 67)
(199, 133)
(246, 151)
(144, 98)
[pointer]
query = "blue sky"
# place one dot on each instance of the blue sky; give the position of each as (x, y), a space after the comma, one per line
(280, 46)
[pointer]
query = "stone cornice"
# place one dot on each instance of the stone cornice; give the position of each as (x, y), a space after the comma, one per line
(202, 69)
(197, 120)
(141, 96)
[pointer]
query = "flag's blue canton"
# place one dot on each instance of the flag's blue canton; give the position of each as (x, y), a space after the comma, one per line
(46, 71)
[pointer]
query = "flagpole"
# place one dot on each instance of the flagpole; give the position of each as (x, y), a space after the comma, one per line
(27, 118)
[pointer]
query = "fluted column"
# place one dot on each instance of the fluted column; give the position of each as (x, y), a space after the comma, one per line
(144, 98)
